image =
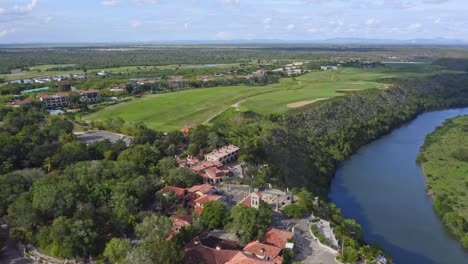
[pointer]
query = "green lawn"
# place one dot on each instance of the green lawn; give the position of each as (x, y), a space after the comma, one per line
(172, 110)
(446, 174)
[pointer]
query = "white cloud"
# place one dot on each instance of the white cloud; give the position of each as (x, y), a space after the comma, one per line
(5, 32)
(19, 9)
(136, 23)
(142, 2)
(435, 1)
(267, 23)
(221, 35)
(291, 27)
(371, 21)
(414, 26)
(231, 2)
(110, 3)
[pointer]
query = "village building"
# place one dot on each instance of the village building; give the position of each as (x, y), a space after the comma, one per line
(200, 202)
(202, 189)
(119, 88)
(64, 86)
(264, 251)
(179, 222)
(278, 237)
(55, 100)
(63, 99)
(179, 192)
(211, 171)
(224, 155)
(89, 96)
(177, 82)
(252, 200)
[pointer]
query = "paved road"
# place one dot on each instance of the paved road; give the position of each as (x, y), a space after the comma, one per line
(12, 255)
(308, 250)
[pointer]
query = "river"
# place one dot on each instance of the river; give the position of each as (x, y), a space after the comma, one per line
(383, 188)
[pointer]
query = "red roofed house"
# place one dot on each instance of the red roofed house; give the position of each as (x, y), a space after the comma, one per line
(211, 171)
(195, 252)
(245, 258)
(252, 200)
(224, 155)
(201, 201)
(56, 100)
(179, 221)
(201, 189)
(264, 251)
(180, 192)
(278, 237)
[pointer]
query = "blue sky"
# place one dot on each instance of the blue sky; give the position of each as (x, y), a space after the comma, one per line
(26, 21)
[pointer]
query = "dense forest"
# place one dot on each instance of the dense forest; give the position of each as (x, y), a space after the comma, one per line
(107, 56)
(309, 143)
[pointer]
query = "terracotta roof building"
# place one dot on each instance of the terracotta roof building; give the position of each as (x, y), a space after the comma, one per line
(264, 251)
(224, 155)
(179, 221)
(201, 189)
(197, 253)
(277, 237)
(200, 202)
(180, 192)
(252, 200)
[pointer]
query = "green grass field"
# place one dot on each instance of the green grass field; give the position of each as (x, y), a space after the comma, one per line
(445, 163)
(172, 110)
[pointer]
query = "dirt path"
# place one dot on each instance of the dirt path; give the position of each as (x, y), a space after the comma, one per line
(235, 106)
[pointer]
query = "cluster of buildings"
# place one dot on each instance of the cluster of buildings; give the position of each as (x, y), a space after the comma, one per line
(266, 250)
(63, 99)
(328, 67)
(212, 169)
(295, 68)
(52, 78)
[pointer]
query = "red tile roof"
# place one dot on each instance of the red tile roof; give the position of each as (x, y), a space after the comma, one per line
(243, 258)
(207, 198)
(262, 250)
(247, 200)
(195, 253)
(278, 237)
(206, 164)
(180, 192)
(202, 188)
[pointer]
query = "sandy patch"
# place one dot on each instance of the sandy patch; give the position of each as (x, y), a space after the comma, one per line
(302, 103)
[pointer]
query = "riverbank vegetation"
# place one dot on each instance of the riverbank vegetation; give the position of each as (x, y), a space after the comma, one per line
(444, 160)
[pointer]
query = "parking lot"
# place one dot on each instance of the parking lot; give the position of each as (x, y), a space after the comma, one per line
(89, 137)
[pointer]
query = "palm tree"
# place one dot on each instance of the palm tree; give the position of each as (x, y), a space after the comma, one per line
(47, 164)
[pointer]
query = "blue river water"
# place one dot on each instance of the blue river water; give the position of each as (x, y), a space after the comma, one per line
(383, 188)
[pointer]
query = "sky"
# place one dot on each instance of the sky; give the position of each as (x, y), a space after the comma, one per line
(94, 21)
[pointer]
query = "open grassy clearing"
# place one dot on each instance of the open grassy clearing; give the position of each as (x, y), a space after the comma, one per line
(328, 84)
(172, 110)
(445, 163)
